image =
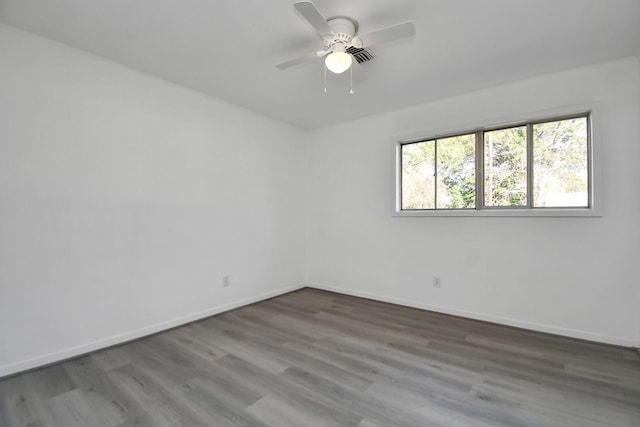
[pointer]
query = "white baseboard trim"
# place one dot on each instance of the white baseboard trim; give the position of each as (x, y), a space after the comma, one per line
(69, 353)
(555, 330)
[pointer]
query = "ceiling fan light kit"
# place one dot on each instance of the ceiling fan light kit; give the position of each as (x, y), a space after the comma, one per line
(339, 35)
(338, 62)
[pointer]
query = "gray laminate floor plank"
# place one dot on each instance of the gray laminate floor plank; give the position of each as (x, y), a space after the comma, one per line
(319, 359)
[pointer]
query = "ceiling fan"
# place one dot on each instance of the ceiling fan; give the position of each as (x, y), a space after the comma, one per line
(341, 40)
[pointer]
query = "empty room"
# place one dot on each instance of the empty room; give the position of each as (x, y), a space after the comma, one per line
(326, 214)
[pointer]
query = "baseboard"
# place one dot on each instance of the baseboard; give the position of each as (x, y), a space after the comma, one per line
(550, 329)
(69, 353)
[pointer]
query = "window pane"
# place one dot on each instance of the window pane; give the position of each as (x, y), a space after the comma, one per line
(560, 164)
(418, 169)
(505, 167)
(457, 172)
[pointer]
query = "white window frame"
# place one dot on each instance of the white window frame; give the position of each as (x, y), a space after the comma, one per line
(594, 210)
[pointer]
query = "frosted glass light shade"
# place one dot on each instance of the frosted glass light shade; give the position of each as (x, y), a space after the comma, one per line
(338, 62)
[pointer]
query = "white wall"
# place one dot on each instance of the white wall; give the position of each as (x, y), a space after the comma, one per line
(124, 200)
(572, 276)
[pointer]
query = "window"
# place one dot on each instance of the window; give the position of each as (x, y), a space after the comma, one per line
(561, 163)
(439, 173)
(529, 167)
(505, 167)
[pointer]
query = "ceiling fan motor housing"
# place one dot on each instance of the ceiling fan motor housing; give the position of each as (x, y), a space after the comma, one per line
(343, 31)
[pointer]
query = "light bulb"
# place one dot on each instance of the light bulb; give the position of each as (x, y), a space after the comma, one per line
(338, 62)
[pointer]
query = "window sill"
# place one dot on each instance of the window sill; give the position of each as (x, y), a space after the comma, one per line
(540, 212)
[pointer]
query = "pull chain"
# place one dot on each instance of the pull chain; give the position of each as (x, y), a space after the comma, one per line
(325, 79)
(350, 80)
(351, 87)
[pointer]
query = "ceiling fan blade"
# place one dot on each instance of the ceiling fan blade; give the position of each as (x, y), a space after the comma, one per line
(389, 34)
(313, 16)
(298, 61)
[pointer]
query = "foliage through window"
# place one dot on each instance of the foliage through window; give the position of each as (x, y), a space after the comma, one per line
(534, 165)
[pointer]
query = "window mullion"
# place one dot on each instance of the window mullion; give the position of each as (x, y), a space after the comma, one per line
(479, 170)
(529, 165)
(435, 174)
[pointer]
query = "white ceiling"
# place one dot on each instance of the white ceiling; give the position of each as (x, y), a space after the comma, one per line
(228, 49)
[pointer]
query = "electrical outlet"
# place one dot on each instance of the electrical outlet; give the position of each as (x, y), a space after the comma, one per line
(436, 281)
(226, 281)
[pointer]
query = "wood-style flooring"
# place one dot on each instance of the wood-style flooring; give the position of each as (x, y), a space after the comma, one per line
(314, 358)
